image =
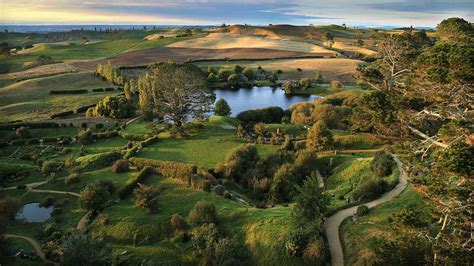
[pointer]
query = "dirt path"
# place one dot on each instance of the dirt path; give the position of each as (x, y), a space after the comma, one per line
(332, 223)
(33, 242)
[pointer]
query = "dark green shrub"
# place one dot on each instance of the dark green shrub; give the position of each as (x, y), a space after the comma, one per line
(50, 166)
(267, 115)
(47, 202)
(222, 108)
(370, 190)
(362, 210)
(133, 137)
(202, 213)
(178, 222)
(382, 164)
(219, 190)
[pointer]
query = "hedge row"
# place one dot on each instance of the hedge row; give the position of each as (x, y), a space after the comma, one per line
(133, 137)
(149, 141)
(98, 160)
(166, 168)
(68, 91)
(133, 182)
(16, 125)
(82, 109)
(130, 153)
(61, 114)
(105, 135)
(104, 89)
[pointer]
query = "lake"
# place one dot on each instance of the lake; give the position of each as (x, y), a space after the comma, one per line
(258, 97)
(33, 213)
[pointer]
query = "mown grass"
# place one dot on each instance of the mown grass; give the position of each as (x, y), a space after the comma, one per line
(361, 237)
(12, 165)
(206, 148)
(351, 172)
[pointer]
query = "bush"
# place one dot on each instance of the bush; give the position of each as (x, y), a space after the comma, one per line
(319, 138)
(222, 108)
(305, 82)
(382, 164)
(9, 207)
(370, 190)
(336, 84)
(120, 166)
(219, 190)
(47, 202)
(362, 210)
(94, 196)
(267, 115)
(178, 222)
(97, 160)
(133, 182)
(133, 137)
(72, 178)
(146, 197)
(202, 213)
(49, 167)
(22, 132)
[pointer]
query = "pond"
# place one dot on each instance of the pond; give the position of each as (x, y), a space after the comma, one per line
(258, 97)
(33, 213)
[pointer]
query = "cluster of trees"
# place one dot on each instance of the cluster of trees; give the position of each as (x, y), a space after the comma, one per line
(110, 73)
(292, 87)
(273, 179)
(334, 111)
(422, 88)
(239, 75)
(118, 107)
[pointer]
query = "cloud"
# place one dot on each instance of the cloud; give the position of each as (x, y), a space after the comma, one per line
(352, 12)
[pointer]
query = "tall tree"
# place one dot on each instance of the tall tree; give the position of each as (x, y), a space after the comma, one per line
(177, 91)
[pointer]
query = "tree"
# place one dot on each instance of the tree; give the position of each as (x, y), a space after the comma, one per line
(222, 108)
(94, 196)
(319, 78)
(233, 79)
(328, 39)
(22, 132)
(237, 69)
(248, 72)
(238, 163)
(9, 207)
(115, 107)
(80, 249)
(305, 83)
(310, 202)
(455, 31)
(146, 197)
(202, 213)
(382, 164)
(319, 138)
(177, 91)
(260, 129)
(360, 42)
(120, 166)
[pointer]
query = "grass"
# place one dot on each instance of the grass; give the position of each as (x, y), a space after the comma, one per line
(361, 238)
(11, 165)
(30, 99)
(291, 129)
(69, 218)
(345, 140)
(351, 172)
(206, 148)
(261, 230)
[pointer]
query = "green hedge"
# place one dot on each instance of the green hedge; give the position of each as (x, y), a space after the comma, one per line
(133, 182)
(68, 91)
(105, 135)
(149, 141)
(98, 160)
(167, 168)
(133, 137)
(10, 126)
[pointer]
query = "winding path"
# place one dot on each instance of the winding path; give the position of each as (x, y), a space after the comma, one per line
(36, 245)
(332, 223)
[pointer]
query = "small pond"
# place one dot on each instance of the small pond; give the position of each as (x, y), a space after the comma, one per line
(258, 97)
(33, 213)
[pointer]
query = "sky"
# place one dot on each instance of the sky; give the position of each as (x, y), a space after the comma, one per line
(418, 13)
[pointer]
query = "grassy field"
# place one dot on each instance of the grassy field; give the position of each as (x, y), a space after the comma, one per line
(226, 41)
(30, 99)
(261, 231)
(206, 148)
(362, 238)
(11, 165)
(351, 171)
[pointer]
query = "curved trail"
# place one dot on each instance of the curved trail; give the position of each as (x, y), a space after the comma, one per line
(332, 223)
(36, 245)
